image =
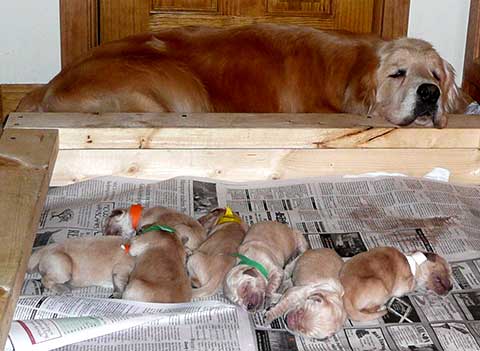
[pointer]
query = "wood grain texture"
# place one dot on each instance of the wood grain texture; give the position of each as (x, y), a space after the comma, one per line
(395, 18)
(254, 164)
(78, 28)
(10, 96)
(471, 75)
(263, 131)
(26, 163)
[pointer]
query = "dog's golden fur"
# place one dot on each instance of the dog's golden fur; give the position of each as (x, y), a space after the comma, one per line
(255, 68)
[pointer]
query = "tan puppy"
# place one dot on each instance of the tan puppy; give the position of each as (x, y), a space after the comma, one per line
(313, 307)
(209, 265)
(83, 262)
(371, 278)
(126, 222)
(159, 274)
(270, 245)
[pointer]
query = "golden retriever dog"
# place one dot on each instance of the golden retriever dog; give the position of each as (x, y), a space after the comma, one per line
(267, 248)
(257, 68)
(313, 307)
(127, 221)
(82, 262)
(159, 274)
(209, 265)
(371, 278)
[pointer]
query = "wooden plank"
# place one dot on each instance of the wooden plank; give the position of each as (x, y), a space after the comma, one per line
(471, 75)
(10, 95)
(243, 165)
(395, 18)
(26, 163)
(196, 131)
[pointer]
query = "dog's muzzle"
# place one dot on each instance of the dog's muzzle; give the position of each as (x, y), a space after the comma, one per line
(426, 103)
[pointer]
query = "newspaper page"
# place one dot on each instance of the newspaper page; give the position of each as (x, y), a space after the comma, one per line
(348, 215)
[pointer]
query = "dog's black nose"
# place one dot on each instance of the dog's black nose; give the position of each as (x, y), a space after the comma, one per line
(428, 93)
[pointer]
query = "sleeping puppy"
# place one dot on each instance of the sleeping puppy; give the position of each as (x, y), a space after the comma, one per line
(371, 278)
(313, 307)
(267, 247)
(126, 222)
(83, 262)
(209, 265)
(159, 274)
(192, 69)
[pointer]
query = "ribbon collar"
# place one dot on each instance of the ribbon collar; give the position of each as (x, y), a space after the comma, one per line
(158, 227)
(135, 215)
(252, 263)
(229, 216)
(414, 260)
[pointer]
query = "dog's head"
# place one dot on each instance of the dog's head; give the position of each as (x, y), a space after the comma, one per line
(119, 223)
(411, 83)
(312, 311)
(246, 287)
(435, 274)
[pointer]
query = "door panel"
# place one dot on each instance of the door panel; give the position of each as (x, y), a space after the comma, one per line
(471, 76)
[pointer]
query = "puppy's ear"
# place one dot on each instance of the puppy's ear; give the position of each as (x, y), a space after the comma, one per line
(118, 212)
(251, 272)
(209, 220)
(453, 100)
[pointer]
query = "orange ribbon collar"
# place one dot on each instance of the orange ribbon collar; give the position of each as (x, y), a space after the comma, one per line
(135, 215)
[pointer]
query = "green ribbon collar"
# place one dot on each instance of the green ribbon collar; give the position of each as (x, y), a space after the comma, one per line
(158, 227)
(252, 263)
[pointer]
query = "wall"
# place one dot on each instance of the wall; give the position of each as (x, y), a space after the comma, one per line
(30, 50)
(29, 40)
(444, 24)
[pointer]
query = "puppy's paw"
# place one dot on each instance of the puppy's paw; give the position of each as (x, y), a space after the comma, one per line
(116, 295)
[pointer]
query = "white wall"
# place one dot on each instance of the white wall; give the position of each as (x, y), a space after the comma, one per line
(30, 35)
(444, 24)
(29, 40)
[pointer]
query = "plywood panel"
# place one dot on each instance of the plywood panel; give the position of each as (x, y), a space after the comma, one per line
(184, 5)
(471, 74)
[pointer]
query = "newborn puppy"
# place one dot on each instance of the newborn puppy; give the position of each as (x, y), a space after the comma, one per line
(83, 262)
(209, 265)
(126, 222)
(267, 247)
(159, 274)
(313, 307)
(371, 278)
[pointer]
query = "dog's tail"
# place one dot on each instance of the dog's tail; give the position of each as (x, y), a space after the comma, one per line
(34, 260)
(361, 315)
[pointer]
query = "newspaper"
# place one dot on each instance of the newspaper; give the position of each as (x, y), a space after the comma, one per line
(348, 215)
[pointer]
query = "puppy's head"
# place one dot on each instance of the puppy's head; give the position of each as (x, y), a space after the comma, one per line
(119, 223)
(210, 220)
(415, 85)
(435, 274)
(246, 286)
(312, 311)
(154, 239)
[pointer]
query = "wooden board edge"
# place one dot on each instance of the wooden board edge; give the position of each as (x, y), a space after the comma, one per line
(27, 160)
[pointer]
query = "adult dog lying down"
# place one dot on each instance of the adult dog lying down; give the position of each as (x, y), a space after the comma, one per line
(257, 68)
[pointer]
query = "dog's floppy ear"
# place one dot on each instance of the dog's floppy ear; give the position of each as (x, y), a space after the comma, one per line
(453, 100)
(361, 92)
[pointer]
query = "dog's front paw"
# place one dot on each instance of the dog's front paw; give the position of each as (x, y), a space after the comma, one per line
(116, 295)
(61, 289)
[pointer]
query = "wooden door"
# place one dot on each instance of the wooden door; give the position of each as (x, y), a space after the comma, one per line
(87, 23)
(471, 75)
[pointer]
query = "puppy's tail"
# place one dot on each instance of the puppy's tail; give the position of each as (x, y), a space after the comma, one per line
(34, 260)
(361, 315)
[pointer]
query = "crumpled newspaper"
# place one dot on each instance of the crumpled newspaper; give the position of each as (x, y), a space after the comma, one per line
(473, 109)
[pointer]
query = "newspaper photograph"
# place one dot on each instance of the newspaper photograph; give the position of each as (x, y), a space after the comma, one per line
(348, 215)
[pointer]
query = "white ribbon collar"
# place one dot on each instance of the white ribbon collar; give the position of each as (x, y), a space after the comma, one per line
(414, 260)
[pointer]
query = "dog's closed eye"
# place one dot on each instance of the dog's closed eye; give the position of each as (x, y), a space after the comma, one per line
(399, 74)
(316, 297)
(436, 76)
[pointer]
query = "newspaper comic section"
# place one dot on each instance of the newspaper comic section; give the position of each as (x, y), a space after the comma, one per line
(348, 215)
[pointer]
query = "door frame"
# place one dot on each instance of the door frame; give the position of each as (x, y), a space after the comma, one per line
(471, 73)
(80, 22)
